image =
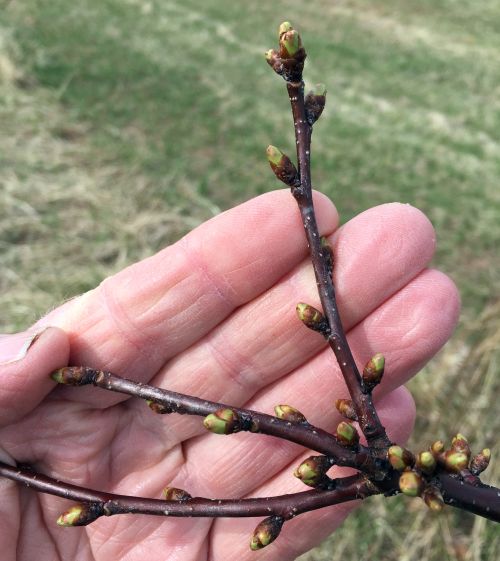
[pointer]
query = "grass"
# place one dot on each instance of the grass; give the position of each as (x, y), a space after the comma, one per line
(126, 123)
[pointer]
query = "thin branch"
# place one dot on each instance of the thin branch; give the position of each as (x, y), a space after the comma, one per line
(361, 396)
(108, 504)
(302, 433)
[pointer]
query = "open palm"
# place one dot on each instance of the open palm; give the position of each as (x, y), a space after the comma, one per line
(214, 316)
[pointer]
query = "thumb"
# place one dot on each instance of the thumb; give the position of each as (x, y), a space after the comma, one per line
(26, 361)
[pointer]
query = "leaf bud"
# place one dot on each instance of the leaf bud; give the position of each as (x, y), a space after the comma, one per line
(312, 472)
(426, 462)
(223, 421)
(315, 103)
(174, 494)
(274, 61)
(410, 483)
(312, 318)
(327, 251)
(346, 408)
(74, 375)
(433, 498)
(80, 515)
(266, 532)
(460, 444)
(289, 413)
(400, 458)
(374, 370)
(455, 461)
(437, 447)
(480, 461)
(290, 41)
(284, 28)
(347, 434)
(158, 407)
(282, 166)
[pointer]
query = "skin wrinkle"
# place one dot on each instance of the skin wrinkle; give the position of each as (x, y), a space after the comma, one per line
(219, 285)
(122, 322)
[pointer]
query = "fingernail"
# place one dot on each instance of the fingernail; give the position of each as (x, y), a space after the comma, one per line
(15, 346)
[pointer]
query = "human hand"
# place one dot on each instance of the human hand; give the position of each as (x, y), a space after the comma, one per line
(213, 316)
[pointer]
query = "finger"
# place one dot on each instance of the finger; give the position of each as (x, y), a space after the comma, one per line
(27, 359)
(408, 341)
(307, 530)
(142, 316)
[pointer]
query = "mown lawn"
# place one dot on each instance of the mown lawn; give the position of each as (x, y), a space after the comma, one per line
(124, 123)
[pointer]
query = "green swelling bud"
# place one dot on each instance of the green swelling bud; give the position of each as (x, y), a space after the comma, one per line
(455, 461)
(426, 462)
(437, 447)
(312, 472)
(312, 318)
(289, 413)
(347, 434)
(284, 28)
(223, 421)
(374, 370)
(266, 532)
(400, 458)
(410, 483)
(290, 43)
(282, 166)
(80, 515)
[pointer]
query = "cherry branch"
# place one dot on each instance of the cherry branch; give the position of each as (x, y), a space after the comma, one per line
(289, 63)
(438, 475)
(291, 426)
(109, 504)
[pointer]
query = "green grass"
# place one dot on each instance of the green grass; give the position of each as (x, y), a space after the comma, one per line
(125, 123)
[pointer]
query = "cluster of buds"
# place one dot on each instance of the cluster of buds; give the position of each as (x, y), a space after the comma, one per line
(312, 472)
(288, 61)
(417, 470)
